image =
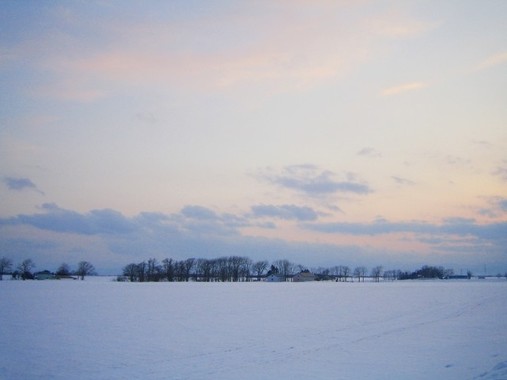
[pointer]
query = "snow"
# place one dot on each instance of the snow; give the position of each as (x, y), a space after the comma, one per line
(97, 329)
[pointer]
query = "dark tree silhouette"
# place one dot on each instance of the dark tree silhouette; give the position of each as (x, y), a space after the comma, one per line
(188, 266)
(84, 268)
(168, 269)
(153, 270)
(272, 270)
(130, 271)
(63, 270)
(376, 273)
(25, 269)
(259, 267)
(360, 273)
(141, 271)
(427, 272)
(5, 266)
(342, 272)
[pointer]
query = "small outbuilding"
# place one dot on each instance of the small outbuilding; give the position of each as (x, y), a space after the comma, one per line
(274, 278)
(44, 275)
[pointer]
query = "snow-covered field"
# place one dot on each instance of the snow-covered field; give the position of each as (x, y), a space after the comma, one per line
(321, 330)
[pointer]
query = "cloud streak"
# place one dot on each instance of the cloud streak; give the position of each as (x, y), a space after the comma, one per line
(497, 207)
(311, 181)
(286, 212)
(453, 226)
(20, 184)
(493, 60)
(369, 152)
(403, 181)
(501, 171)
(405, 87)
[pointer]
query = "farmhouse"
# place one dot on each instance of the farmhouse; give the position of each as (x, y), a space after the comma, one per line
(303, 276)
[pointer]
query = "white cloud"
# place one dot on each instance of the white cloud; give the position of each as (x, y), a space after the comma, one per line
(405, 87)
(492, 61)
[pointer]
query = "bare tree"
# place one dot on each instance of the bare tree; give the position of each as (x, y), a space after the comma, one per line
(130, 271)
(301, 268)
(141, 271)
(335, 271)
(376, 273)
(360, 272)
(341, 272)
(245, 269)
(188, 265)
(222, 270)
(5, 266)
(179, 271)
(213, 269)
(391, 275)
(357, 274)
(259, 267)
(285, 267)
(168, 269)
(84, 268)
(235, 264)
(273, 270)
(346, 272)
(322, 274)
(204, 269)
(25, 269)
(153, 270)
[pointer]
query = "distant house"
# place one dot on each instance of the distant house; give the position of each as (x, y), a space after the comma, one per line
(65, 277)
(303, 276)
(44, 275)
(274, 277)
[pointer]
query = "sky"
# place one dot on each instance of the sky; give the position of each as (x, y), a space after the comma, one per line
(322, 132)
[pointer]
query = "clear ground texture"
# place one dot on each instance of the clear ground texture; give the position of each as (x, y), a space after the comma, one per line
(99, 329)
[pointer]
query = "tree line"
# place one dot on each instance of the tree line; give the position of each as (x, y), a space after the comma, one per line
(429, 272)
(224, 269)
(227, 269)
(25, 270)
(239, 268)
